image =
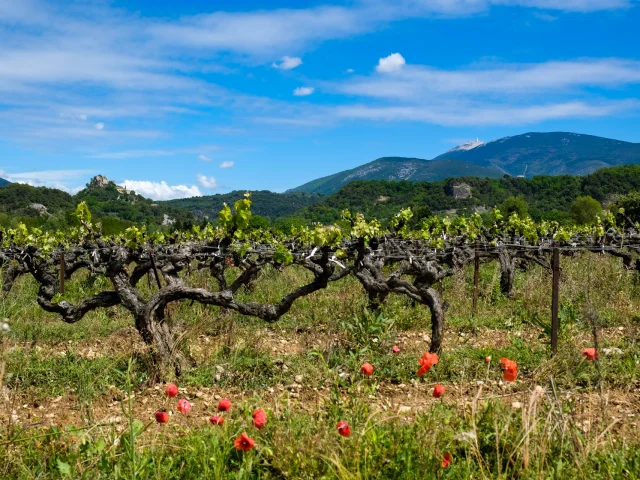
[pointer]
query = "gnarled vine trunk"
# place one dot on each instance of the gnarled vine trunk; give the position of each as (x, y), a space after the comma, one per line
(434, 302)
(507, 272)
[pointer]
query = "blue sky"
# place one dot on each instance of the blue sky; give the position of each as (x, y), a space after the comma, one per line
(196, 97)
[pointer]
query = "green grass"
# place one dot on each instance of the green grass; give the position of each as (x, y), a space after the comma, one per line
(43, 375)
(487, 443)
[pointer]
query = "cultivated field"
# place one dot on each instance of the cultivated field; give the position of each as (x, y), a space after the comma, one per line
(78, 401)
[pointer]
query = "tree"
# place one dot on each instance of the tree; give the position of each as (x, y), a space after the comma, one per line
(627, 208)
(584, 210)
(514, 205)
(419, 214)
(256, 222)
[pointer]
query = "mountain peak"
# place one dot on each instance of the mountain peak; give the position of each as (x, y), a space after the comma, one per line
(468, 146)
(549, 153)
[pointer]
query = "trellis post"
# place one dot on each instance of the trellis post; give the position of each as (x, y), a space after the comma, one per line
(476, 268)
(62, 273)
(555, 296)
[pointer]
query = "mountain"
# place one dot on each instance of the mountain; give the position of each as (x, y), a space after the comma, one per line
(264, 203)
(555, 153)
(4, 182)
(529, 154)
(548, 197)
(398, 168)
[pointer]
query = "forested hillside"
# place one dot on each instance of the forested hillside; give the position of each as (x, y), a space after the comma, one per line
(114, 207)
(265, 203)
(548, 197)
(16, 198)
(109, 201)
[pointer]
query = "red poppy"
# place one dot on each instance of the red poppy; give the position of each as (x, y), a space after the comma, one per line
(184, 406)
(447, 460)
(590, 354)
(427, 361)
(216, 420)
(171, 390)
(224, 405)
(244, 442)
(438, 391)
(487, 359)
(343, 429)
(162, 417)
(259, 418)
(366, 369)
(395, 349)
(510, 369)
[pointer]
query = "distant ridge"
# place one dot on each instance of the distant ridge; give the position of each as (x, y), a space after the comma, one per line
(264, 203)
(398, 168)
(529, 154)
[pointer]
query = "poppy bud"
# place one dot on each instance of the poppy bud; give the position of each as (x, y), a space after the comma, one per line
(162, 417)
(259, 418)
(447, 460)
(224, 405)
(487, 359)
(367, 369)
(217, 420)
(438, 391)
(343, 429)
(171, 390)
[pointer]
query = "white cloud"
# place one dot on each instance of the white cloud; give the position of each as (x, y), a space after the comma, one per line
(459, 114)
(545, 17)
(207, 182)
(392, 63)
(303, 91)
(161, 190)
(227, 164)
(287, 63)
(583, 6)
(229, 130)
(155, 153)
(133, 154)
(280, 31)
(350, 70)
(416, 82)
(99, 126)
(50, 178)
